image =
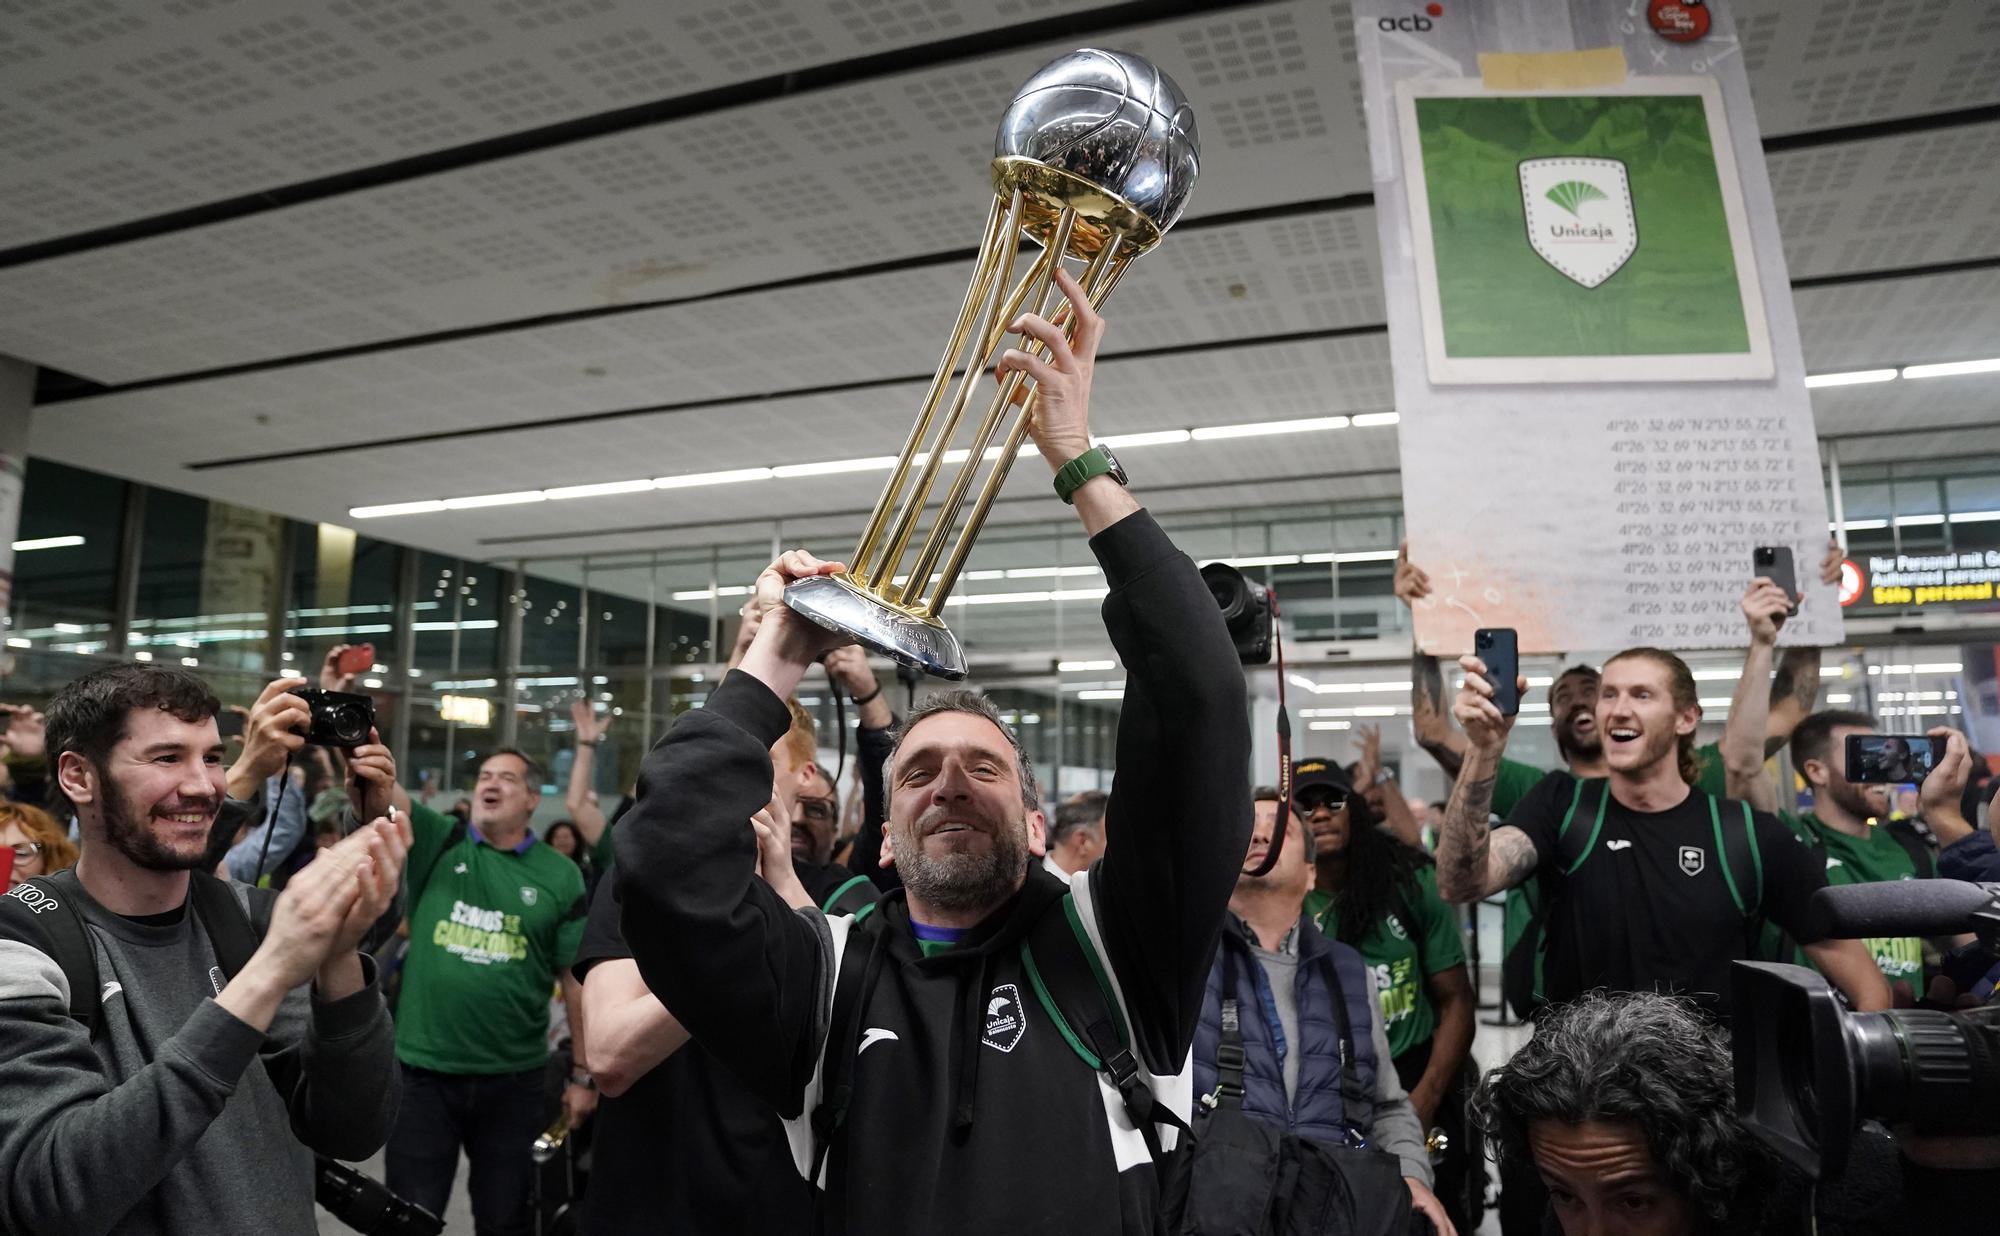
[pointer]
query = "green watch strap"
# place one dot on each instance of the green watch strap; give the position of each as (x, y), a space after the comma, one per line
(1072, 475)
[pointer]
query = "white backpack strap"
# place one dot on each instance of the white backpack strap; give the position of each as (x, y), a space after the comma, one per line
(799, 1129)
(1175, 1090)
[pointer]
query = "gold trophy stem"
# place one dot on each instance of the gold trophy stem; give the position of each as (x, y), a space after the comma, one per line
(995, 269)
(1044, 273)
(1098, 280)
(1002, 219)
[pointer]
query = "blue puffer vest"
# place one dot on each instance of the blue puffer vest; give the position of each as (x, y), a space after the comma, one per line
(1318, 1110)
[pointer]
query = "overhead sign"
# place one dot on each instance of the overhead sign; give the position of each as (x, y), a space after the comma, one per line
(1969, 579)
(1597, 370)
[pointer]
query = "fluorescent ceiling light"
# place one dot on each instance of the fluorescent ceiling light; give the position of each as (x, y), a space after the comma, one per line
(703, 594)
(1861, 525)
(428, 506)
(15, 641)
(1953, 369)
(1957, 517)
(874, 463)
(474, 502)
(1046, 572)
(1257, 560)
(600, 490)
(1918, 521)
(1369, 420)
(1331, 725)
(1854, 377)
(1353, 555)
(470, 624)
(1107, 693)
(1259, 429)
(730, 477)
(47, 542)
(1158, 437)
(1077, 667)
(1840, 698)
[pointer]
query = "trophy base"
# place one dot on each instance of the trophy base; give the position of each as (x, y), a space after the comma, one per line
(839, 606)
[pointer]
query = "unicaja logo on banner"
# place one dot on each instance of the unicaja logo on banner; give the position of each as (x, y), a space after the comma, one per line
(1579, 216)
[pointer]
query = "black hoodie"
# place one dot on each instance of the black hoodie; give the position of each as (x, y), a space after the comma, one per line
(969, 1113)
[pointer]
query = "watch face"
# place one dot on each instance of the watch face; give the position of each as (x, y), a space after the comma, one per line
(1117, 472)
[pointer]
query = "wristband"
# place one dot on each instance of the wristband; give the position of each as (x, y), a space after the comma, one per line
(585, 1080)
(869, 698)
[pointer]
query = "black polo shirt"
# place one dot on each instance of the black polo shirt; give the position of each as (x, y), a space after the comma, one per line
(1641, 902)
(688, 1148)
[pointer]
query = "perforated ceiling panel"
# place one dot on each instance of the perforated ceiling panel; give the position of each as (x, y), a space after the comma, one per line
(120, 110)
(1839, 62)
(888, 169)
(1262, 318)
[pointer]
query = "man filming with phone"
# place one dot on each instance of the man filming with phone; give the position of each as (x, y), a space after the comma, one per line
(1649, 883)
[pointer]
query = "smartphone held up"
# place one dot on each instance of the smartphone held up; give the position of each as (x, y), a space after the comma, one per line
(1892, 759)
(1500, 650)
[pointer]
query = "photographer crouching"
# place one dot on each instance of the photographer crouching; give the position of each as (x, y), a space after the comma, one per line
(174, 1048)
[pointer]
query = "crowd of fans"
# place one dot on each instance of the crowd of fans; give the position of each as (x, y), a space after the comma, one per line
(1189, 1005)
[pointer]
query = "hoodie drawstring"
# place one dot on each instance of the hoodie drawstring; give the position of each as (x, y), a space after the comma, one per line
(966, 1034)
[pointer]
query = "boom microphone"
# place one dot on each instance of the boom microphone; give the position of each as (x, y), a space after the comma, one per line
(1902, 908)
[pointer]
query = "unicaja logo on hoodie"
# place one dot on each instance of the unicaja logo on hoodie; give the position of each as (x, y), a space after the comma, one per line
(1005, 1023)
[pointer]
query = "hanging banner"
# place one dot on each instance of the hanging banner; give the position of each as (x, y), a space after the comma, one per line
(1603, 405)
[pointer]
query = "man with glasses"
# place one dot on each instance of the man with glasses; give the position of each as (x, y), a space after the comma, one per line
(834, 888)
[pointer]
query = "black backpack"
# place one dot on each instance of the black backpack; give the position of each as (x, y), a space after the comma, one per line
(50, 919)
(1247, 1176)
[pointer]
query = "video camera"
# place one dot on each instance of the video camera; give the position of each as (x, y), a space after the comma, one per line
(1808, 1072)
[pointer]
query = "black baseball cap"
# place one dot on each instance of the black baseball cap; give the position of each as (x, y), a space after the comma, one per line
(1307, 774)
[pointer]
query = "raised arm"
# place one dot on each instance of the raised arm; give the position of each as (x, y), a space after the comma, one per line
(578, 799)
(1795, 689)
(743, 972)
(1473, 859)
(1764, 606)
(1179, 819)
(1428, 719)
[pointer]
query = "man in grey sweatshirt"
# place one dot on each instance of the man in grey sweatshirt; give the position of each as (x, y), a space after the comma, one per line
(184, 1106)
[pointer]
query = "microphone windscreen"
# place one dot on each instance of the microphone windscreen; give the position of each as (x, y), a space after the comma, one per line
(1900, 908)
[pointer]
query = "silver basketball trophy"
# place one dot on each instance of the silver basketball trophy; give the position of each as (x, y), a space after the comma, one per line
(1094, 161)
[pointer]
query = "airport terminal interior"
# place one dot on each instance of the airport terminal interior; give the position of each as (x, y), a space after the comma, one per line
(513, 337)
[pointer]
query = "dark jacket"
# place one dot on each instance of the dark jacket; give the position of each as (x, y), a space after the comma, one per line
(1317, 1109)
(964, 1091)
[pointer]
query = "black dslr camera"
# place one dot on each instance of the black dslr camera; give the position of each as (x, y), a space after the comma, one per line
(339, 718)
(1246, 611)
(1808, 1072)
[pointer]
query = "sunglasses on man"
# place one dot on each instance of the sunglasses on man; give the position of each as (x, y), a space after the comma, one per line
(820, 810)
(1312, 798)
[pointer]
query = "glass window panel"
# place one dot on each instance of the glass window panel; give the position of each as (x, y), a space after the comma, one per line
(74, 585)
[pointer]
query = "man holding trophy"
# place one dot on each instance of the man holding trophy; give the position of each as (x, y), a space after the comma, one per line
(933, 1059)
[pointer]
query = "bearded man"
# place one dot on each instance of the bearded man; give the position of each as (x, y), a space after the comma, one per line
(963, 1103)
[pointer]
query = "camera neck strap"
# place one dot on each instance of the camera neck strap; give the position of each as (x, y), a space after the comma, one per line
(1284, 750)
(271, 819)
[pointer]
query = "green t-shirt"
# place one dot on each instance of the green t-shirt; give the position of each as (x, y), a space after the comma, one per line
(1401, 955)
(1871, 859)
(1512, 783)
(490, 930)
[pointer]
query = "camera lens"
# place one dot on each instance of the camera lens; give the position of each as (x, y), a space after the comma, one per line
(349, 723)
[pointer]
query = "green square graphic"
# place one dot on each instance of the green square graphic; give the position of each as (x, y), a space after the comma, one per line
(1677, 293)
